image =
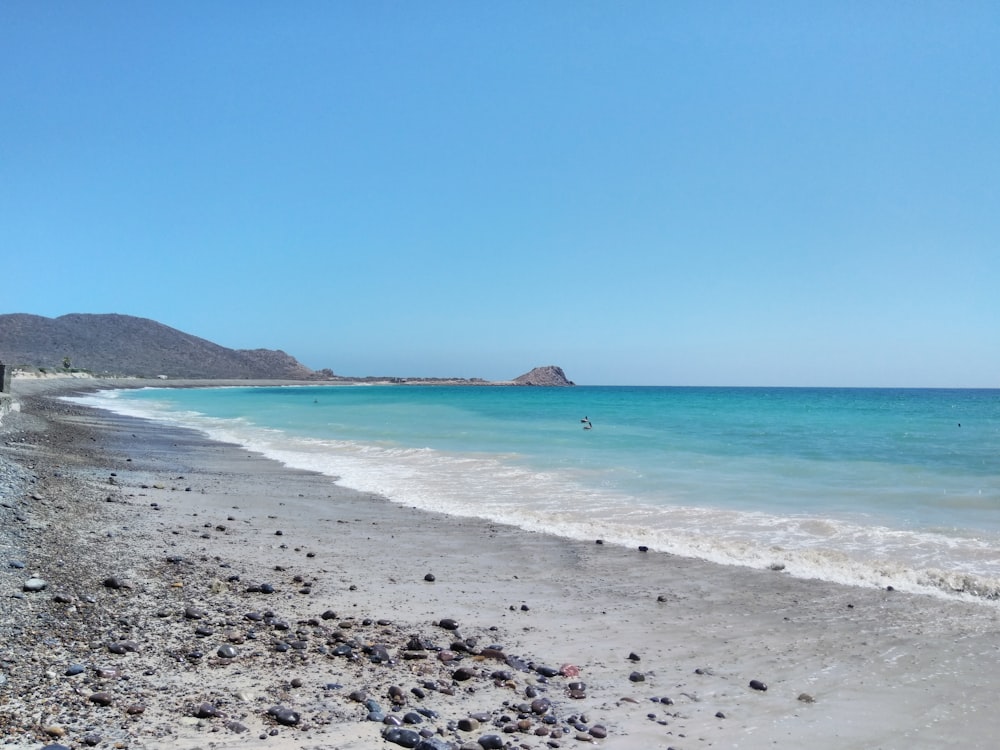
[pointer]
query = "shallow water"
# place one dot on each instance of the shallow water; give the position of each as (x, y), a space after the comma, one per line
(874, 487)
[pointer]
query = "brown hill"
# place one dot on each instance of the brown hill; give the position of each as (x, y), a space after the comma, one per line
(125, 345)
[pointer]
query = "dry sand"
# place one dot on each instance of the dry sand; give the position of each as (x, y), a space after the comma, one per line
(186, 523)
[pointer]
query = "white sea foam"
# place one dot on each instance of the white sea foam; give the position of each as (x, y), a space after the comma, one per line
(576, 505)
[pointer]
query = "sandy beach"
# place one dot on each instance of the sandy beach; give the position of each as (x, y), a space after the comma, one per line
(197, 595)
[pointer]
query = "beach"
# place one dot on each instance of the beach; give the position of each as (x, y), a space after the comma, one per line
(257, 605)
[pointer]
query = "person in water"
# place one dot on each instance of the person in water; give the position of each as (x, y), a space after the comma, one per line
(586, 423)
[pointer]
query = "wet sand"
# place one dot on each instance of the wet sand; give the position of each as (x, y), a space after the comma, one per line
(666, 647)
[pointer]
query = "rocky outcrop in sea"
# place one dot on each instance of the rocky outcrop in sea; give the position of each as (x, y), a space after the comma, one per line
(549, 375)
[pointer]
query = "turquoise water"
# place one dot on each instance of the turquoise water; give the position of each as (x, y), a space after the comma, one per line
(871, 487)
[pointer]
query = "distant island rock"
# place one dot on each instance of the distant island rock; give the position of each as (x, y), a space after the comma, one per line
(546, 376)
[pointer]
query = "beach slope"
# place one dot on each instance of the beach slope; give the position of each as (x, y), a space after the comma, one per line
(194, 594)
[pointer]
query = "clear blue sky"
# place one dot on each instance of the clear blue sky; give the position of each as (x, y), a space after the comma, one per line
(745, 193)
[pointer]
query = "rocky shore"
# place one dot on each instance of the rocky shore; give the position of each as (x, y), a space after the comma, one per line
(161, 590)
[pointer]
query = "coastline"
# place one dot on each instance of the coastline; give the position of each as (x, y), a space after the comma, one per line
(873, 668)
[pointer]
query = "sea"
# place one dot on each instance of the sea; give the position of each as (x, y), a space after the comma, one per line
(867, 487)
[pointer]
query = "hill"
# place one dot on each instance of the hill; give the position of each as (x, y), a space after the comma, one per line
(125, 345)
(546, 376)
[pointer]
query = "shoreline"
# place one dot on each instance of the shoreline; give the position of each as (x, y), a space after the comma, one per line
(879, 668)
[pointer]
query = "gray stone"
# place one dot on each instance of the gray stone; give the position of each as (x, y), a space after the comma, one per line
(401, 737)
(206, 711)
(283, 715)
(434, 743)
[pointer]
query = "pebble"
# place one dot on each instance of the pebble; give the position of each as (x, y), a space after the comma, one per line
(35, 584)
(540, 706)
(227, 652)
(101, 698)
(206, 711)
(637, 677)
(74, 669)
(433, 743)
(758, 685)
(448, 624)
(401, 737)
(283, 715)
(123, 647)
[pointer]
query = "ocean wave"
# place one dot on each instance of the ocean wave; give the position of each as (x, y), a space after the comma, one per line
(580, 504)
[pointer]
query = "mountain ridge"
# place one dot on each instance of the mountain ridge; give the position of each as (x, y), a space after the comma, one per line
(112, 343)
(125, 345)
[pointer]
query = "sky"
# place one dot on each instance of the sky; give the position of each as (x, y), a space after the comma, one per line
(648, 193)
